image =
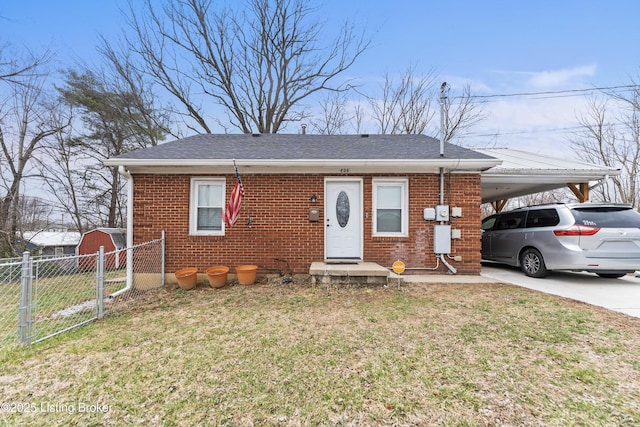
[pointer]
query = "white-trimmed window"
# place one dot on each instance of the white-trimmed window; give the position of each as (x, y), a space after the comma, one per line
(206, 204)
(390, 207)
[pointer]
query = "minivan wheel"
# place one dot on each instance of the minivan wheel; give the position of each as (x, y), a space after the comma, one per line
(532, 264)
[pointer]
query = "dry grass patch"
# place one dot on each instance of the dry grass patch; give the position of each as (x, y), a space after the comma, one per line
(294, 355)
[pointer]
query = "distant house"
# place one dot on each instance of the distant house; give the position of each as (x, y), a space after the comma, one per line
(52, 243)
(114, 241)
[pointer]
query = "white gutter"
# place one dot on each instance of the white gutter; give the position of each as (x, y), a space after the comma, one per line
(541, 177)
(291, 166)
(124, 172)
(439, 162)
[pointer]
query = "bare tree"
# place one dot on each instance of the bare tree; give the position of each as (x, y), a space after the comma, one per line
(334, 118)
(460, 113)
(404, 107)
(14, 69)
(26, 123)
(259, 65)
(62, 170)
(150, 121)
(612, 140)
(36, 214)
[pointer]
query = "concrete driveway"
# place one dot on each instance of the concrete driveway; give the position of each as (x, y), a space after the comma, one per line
(621, 294)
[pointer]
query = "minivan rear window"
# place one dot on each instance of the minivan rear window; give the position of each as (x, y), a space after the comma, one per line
(607, 217)
(542, 218)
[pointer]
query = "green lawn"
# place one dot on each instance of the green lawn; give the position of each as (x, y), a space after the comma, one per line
(273, 354)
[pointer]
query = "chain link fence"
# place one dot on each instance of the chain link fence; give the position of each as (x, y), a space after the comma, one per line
(10, 274)
(43, 297)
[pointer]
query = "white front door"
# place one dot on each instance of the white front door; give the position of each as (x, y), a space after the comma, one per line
(343, 218)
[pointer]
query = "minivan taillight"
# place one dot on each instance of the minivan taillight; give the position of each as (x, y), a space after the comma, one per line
(577, 230)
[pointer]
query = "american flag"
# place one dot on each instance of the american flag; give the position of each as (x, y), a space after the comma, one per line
(232, 212)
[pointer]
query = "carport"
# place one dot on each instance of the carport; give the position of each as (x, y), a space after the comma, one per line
(523, 173)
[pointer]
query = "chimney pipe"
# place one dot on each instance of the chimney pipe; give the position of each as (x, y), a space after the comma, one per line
(304, 129)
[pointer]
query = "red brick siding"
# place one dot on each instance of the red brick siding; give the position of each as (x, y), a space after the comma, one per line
(281, 237)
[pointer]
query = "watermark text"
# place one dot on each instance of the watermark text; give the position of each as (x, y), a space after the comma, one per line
(53, 407)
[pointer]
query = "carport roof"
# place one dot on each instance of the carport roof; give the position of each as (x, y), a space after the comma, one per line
(523, 173)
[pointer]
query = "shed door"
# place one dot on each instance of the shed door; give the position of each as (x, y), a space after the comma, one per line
(343, 219)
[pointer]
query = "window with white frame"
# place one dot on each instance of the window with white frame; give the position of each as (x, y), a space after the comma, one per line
(206, 204)
(391, 207)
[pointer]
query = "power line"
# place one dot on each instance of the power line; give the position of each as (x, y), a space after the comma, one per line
(524, 132)
(566, 92)
(537, 131)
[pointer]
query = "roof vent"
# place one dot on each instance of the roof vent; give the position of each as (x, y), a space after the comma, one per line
(364, 135)
(255, 135)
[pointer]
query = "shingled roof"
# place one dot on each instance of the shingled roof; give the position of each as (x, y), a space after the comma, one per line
(281, 146)
(302, 150)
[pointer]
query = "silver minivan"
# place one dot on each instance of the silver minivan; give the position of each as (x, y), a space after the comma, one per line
(595, 237)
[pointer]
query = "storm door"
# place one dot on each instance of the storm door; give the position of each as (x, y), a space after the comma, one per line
(343, 219)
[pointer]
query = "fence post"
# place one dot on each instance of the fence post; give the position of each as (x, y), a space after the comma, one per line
(24, 326)
(100, 283)
(162, 262)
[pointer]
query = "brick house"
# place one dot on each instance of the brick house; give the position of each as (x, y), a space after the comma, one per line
(308, 198)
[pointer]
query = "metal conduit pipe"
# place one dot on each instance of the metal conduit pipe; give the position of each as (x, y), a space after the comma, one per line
(449, 266)
(422, 268)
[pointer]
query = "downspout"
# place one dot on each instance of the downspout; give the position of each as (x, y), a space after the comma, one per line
(124, 172)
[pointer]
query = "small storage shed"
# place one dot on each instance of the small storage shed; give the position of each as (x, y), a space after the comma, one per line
(114, 241)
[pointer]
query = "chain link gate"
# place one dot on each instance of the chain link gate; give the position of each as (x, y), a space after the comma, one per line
(43, 297)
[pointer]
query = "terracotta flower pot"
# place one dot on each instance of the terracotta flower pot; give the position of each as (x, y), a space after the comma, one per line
(217, 276)
(187, 277)
(246, 274)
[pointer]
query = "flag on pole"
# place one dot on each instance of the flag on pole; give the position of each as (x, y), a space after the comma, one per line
(232, 212)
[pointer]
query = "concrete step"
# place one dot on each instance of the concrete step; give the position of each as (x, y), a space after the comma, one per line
(368, 273)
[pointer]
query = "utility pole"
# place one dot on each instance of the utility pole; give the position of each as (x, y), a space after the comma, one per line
(443, 99)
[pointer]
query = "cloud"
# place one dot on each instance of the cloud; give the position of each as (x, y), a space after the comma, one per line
(540, 123)
(561, 78)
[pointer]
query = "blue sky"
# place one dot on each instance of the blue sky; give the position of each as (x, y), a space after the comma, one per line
(499, 47)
